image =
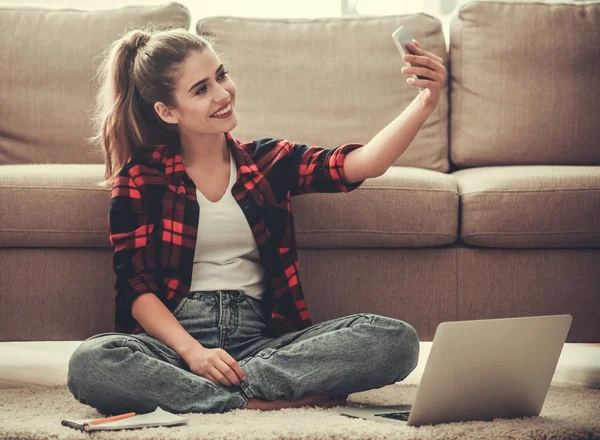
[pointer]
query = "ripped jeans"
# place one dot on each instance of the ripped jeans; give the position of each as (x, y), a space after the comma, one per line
(118, 372)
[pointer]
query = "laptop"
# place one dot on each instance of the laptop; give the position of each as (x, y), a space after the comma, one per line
(481, 370)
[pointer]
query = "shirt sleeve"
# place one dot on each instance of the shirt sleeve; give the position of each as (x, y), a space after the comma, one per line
(132, 238)
(319, 170)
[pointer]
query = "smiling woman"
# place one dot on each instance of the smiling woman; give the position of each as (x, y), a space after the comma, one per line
(205, 255)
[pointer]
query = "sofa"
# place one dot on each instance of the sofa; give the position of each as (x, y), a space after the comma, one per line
(493, 211)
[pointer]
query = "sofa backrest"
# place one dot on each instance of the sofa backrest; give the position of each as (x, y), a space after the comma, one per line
(328, 81)
(523, 80)
(525, 84)
(49, 60)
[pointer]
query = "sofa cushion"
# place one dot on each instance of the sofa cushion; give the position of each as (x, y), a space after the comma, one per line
(328, 81)
(53, 205)
(530, 206)
(47, 76)
(404, 208)
(56, 205)
(525, 84)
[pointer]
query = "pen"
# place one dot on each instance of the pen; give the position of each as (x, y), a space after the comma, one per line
(111, 419)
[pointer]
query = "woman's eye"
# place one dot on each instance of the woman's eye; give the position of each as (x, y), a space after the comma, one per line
(203, 88)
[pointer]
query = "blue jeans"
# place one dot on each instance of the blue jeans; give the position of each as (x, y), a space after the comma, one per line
(118, 373)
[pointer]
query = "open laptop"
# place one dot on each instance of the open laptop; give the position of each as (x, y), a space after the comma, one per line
(481, 370)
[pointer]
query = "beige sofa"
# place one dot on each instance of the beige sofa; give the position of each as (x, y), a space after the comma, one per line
(493, 210)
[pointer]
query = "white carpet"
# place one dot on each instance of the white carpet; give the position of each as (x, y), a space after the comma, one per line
(36, 413)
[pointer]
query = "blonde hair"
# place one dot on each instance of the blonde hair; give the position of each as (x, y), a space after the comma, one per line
(139, 69)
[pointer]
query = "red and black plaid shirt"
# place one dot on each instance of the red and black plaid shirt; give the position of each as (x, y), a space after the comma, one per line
(154, 223)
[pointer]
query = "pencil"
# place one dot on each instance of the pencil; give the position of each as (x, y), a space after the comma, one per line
(111, 419)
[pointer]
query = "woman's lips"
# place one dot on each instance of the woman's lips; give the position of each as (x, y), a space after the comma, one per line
(226, 115)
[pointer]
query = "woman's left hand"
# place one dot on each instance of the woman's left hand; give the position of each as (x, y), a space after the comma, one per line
(430, 66)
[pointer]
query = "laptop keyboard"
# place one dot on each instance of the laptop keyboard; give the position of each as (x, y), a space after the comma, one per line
(402, 415)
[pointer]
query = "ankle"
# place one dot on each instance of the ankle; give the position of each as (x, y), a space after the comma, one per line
(255, 404)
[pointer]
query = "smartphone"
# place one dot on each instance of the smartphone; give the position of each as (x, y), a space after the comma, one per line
(401, 36)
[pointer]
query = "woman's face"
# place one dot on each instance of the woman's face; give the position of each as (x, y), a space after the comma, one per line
(198, 102)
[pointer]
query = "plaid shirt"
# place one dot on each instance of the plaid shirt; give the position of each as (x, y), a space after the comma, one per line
(154, 223)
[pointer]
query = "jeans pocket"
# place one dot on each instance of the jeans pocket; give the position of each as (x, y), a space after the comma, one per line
(180, 307)
(257, 307)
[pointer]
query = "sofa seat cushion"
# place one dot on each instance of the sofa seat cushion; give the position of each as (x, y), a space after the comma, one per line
(530, 206)
(53, 205)
(56, 205)
(404, 208)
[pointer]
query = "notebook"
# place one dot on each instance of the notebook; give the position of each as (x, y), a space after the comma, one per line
(159, 417)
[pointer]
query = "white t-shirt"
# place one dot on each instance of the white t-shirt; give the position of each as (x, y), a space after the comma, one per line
(226, 256)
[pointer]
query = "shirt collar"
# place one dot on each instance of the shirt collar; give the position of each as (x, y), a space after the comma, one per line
(169, 155)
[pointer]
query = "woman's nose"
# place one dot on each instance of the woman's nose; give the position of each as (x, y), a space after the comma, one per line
(223, 96)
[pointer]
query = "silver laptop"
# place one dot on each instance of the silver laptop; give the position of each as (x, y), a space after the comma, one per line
(481, 370)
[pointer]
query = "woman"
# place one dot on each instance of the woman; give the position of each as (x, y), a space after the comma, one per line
(210, 314)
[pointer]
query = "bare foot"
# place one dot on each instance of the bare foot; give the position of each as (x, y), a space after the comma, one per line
(322, 400)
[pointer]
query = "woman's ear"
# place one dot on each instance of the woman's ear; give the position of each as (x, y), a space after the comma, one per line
(164, 113)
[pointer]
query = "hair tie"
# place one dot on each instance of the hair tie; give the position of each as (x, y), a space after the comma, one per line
(140, 43)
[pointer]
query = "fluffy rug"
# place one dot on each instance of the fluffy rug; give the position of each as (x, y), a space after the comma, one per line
(36, 413)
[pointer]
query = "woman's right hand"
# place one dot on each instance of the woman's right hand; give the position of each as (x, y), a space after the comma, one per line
(215, 364)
